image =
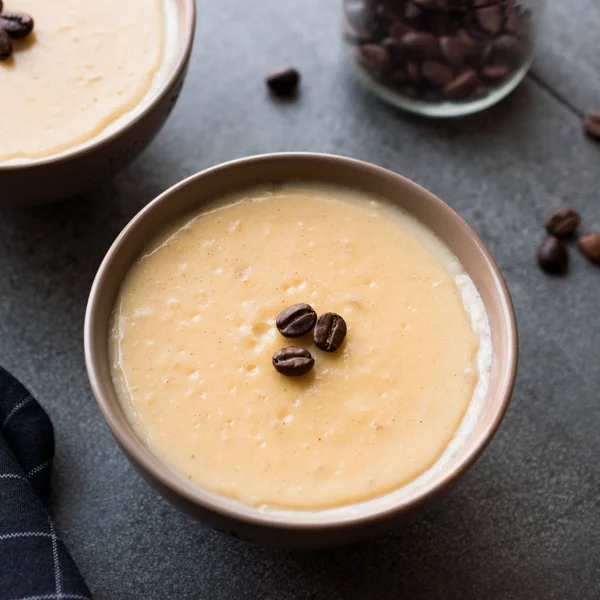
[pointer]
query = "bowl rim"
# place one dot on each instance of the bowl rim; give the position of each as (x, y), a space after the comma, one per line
(195, 495)
(98, 141)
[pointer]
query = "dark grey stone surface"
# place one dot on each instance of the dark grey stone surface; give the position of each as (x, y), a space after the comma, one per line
(525, 522)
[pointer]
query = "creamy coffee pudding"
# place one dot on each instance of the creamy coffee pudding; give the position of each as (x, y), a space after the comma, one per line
(194, 332)
(86, 68)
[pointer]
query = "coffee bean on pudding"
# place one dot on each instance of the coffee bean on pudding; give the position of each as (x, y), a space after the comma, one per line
(552, 256)
(330, 332)
(6, 47)
(589, 246)
(592, 125)
(296, 321)
(562, 221)
(293, 362)
(17, 25)
(283, 81)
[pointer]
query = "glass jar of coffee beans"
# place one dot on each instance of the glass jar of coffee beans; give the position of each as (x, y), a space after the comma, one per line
(441, 58)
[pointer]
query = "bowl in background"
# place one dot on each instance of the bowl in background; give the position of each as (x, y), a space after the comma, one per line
(42, 180)
(285, 527)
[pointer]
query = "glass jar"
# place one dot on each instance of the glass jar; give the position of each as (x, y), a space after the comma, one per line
(441, 58)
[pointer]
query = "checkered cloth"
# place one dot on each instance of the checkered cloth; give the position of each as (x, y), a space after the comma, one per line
(34, 563)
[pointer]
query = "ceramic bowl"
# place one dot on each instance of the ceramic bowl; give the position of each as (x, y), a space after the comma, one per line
(300, 528)
(43, 180)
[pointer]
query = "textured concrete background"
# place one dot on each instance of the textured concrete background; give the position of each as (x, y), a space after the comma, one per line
(525, 522)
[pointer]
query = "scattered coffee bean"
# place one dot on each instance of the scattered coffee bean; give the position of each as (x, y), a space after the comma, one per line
(6, 47)
(283, 81)
(562, 222)
(296, 321)
(330, 332)
(552, 256)
(589, 246)
(592, 125)
(293, 362)
(466, 48)
(17, 25)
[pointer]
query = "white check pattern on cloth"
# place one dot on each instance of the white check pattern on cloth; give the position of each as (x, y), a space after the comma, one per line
(34, 562)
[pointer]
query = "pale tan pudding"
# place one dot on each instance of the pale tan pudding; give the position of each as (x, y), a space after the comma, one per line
(194, 332)
(86, 64)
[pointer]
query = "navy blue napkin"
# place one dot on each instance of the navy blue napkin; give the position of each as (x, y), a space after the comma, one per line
(34, 562)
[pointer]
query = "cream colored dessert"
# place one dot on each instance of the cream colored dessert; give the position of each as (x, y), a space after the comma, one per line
(194, 332)
(85, 65)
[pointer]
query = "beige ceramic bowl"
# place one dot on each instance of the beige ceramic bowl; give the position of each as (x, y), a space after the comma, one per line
(43, 180)
(299, 528)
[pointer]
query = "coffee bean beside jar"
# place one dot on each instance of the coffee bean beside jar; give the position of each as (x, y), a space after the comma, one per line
(441, 57)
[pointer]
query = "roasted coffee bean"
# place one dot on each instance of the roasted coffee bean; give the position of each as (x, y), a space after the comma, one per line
(463, 48)
(412, 13)
(398, 29)
(490, 19)
(395, 50)
(481, 91)
(389, 10)
(589, 246)
(358, 23)
(398, 77)
(495, 72)
(552, 256)
(592, 125)
(420, 45)
(457, 49)
(513, 22)
(504, 49)
(562, 221)
(293, 362)
(414, 72)
(296, 320)
(283, 81)
(6, 47)
(462, 86)
(356, 12)
(330, 332)
(410, 90)
(427, 4)
(377, 56)
(436, 73)
(354, 34)
(17, 25)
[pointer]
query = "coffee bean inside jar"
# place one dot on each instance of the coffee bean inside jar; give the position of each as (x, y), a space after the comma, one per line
(441, 57)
